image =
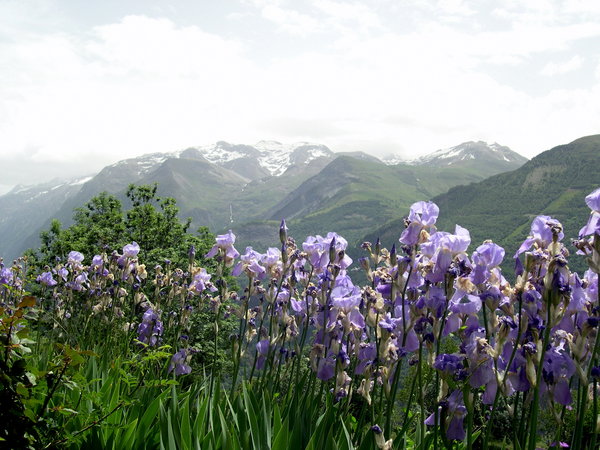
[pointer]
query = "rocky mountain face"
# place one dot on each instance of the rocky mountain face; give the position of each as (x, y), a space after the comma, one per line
(246, 186)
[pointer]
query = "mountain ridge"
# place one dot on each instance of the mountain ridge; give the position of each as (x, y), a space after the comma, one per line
(501, 207)
(221, 182)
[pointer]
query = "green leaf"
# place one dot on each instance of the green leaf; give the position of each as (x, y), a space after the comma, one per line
(282, 435)
(346, 442)
(171, 435)
(186, 432)
(150, 415)
(252, 419)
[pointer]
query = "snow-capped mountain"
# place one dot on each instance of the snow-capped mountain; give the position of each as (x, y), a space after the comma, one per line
(215, 184)
(265, 158)
(272, 156)
(472, 153)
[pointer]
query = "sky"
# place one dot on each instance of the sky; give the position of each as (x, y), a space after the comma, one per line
(85, 84)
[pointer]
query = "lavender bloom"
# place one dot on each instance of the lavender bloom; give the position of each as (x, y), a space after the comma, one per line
(593, 225)
(150, 329)
(97, 261)
(366, 355)
(271, 257)
(75, 259)
(224, 242)
(469, 304)
(262, 348)
(249, 263)
(541, 233)
(558, 368)
(46, 279)
(131, 250)
(423, 215)
(326, 368)
(178, 363)
(200, 282)
(6, 275)
(346, 297)
(442, 248)
(455, 412)
(448, 363)
(320, 248)
(63, 273)
(485, 258)
(388, 323)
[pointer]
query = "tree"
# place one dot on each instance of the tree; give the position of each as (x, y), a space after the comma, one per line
(102, 226)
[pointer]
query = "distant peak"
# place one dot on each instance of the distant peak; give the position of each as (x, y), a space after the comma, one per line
(462, 153)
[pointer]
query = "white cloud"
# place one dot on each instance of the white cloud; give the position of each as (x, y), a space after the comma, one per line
(289, 20)
(560, 68)
(146, 84)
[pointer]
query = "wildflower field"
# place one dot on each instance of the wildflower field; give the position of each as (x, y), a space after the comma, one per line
(217, 349)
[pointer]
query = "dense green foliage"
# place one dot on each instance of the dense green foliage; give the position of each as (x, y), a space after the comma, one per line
(102, 225)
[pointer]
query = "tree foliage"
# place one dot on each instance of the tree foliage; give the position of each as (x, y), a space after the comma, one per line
(102, 225)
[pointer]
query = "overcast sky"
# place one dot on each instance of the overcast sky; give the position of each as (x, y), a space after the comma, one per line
(84, 84)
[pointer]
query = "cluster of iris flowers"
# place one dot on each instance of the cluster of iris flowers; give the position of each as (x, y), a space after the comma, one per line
(534, 341)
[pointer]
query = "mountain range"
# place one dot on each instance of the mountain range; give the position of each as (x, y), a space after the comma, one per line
(501, 207)
(250, 188)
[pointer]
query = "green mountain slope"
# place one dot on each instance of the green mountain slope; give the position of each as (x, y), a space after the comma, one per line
(352, 196)
(501, 207)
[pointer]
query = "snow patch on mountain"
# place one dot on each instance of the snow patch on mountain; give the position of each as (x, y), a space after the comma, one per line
(272, 156)
(465, 151)
(78, 181)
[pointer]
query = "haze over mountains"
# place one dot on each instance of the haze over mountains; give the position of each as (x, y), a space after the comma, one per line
(251, 187)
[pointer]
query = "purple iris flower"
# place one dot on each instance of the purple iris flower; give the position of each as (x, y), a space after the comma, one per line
(6, 276)
(442, 248)
(593, 200)
(448, 363)
(319, 248)
(485, 258)
(63, 273)
(346, 297)
(326, 368)
(262, 348)
(422, 215)
(456, 412)
(388, 323)
(593, 224)
(541, 233)
(75, 259)
(558, 368)
(271, 257)
(224, 242)
(249, 262)
(131, 250)
(200, 282)
(150, 329)
(178, 363)
(366, 355)
(468, 304)
(97, 261)
(46, 279)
